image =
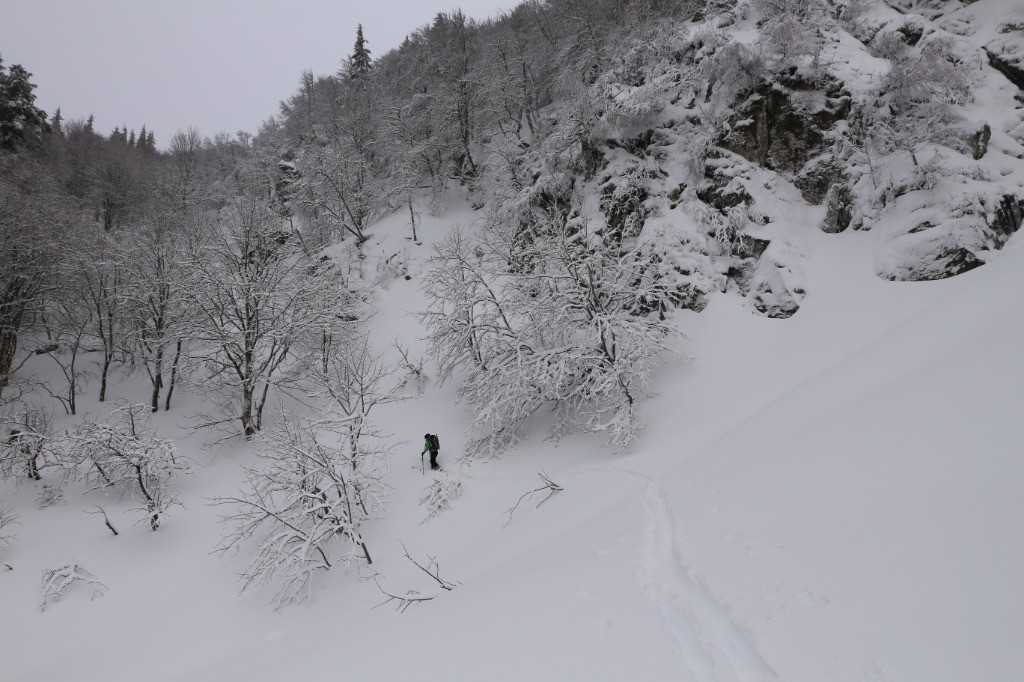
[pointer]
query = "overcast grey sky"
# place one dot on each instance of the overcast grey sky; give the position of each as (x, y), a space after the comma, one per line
(220, 65)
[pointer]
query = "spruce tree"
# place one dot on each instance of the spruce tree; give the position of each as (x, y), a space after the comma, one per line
(131, 138)
(89, 123)
(141, 143)
(359, 63)
(56, 123)
(150, 142)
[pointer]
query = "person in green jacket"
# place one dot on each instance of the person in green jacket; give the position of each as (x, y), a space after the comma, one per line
(431, 444)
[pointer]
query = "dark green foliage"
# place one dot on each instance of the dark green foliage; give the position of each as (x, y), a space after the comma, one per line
(22, 123)
(359, 63)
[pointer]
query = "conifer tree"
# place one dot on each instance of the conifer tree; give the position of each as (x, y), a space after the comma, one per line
(151, 142)
(89, 123)
(141, 143)
(56, 123)
(359, 63)
(21, 121)
(131, 139)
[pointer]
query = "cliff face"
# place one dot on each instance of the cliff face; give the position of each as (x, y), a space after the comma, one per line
(718, 147)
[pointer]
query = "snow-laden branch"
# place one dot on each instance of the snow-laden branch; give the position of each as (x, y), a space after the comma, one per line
(57, 580)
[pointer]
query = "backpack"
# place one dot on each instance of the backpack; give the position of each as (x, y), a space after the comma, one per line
(435, 444)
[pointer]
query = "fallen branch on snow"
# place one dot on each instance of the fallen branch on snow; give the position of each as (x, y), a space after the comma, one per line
(550, 486)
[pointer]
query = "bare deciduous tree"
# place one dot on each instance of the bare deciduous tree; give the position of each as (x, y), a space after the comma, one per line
(156, 313)
(27, 447)
(258, 297)
(304, 510)
(126, 456)
(33, 220)
(552, 317)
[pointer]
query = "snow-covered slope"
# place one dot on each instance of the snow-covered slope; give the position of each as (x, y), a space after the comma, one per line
(830, 497)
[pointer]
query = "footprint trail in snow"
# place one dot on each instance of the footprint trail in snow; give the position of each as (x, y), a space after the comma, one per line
(711, 645)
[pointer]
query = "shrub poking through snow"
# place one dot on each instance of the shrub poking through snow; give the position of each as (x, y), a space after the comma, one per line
(126, 456)
(437, 498)
(26, 445)
(49, 495)
(7, 519)
(56, 581)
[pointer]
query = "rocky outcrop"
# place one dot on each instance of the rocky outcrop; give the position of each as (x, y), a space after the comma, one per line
(1006, 52)
(1009, 216)
(838, 209)
(722, 187)
(978, 141)
(948, 261)
(816, 178)
(782, 124)
(1014, 72)
(952, 239)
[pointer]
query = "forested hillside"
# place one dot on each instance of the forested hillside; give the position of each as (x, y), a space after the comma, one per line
(534, 229)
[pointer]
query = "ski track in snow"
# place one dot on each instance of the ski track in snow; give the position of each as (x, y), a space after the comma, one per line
(713, 647)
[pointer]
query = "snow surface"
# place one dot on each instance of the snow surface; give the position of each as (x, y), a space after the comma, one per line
(833, 497)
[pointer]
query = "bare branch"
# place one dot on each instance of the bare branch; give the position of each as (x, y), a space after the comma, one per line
(404, 601)
(57, 580)
(106, 519)
(550, 486)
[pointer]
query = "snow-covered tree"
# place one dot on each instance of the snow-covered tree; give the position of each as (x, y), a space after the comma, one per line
(126, 456)
(555, 317)
(68, 322)
(359, 63)
(34, 223)
(258, 297)
(303, 508)
(354, 382)
(100, 276)
(27, 445)
(344, 181)
(155, 311)
(21, 121)
(918, 90)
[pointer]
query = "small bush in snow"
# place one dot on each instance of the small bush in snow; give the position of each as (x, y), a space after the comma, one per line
(438, 497)
(49, 495)
(57, 580)
(7, 519)
(27, 446)
(126, 456)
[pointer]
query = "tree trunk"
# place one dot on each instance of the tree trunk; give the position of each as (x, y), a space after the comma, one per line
(158, 379)
(8, 348)
(248, 424)
(174, 375)
(103, 376)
